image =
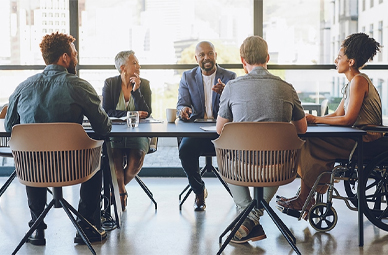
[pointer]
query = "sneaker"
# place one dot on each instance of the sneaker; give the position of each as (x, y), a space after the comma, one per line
(245, 228)
(93, 234)
(256, 234)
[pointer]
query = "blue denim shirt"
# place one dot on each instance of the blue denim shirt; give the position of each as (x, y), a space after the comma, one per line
(55, 95)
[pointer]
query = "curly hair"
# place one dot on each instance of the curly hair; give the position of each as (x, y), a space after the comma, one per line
(361, 48)
(55, 45)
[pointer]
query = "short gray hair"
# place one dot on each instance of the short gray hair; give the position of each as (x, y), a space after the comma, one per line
(122, 57)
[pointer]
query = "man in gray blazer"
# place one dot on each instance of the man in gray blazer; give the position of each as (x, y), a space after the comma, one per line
(198, 98)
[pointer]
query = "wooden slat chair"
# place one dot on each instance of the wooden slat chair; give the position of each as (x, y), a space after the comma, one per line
(55, 155)
(5, 152)
(258, 154)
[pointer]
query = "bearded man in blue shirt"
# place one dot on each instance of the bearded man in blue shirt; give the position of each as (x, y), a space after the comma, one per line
(58, 95)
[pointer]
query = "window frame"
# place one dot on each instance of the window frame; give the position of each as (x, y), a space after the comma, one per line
(258, 10)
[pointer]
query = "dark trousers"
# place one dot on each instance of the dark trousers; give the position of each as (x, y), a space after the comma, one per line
(190, 149)
(89, 203)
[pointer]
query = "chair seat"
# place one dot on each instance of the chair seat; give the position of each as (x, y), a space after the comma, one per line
(5, 152)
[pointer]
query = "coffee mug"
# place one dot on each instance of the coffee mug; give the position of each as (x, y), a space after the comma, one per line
(170, 115)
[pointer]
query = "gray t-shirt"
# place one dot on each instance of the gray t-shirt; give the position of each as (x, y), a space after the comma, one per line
(260, 96)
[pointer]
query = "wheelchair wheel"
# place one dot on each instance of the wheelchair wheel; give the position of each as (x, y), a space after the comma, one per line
(322, 219)
(351, 186)
(375, 196)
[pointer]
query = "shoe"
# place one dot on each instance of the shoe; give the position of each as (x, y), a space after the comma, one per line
(256, 234)
(37, 237)
(93, 234)
(284, 199)
(199, 204)
(287, 199)
(295, 205)
(245, 228)
(123, 198)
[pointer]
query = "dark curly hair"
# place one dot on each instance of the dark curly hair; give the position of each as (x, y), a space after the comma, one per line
(361, 48)
(55, 45)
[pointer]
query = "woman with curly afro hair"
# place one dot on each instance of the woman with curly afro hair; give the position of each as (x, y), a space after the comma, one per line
(360, 106)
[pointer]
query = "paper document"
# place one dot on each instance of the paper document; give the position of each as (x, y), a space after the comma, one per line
(150, 120)
(122, 119)
(209, 128)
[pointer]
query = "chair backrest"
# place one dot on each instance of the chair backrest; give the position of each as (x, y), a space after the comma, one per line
(4, 140)
(258, 154)
(3, 111)
(324, 107)
(54, 154)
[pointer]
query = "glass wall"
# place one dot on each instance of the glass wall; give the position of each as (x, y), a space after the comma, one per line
(161, 32)
(303, 38)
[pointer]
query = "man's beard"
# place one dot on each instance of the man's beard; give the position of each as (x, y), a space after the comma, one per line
(209, 68)
(71, 68)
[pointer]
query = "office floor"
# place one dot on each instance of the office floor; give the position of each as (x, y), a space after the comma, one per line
(167, 230)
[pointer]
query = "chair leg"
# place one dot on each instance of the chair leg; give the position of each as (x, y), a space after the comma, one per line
(183, 191)
(184, 199)
(281, 226)
(146, 190)
(34, 226)
(8, 182)
(67, 208)
(207, 168)
(235, 225)
(215, 171)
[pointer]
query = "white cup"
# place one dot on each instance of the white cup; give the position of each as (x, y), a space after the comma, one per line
(132, 119)
(170, 115)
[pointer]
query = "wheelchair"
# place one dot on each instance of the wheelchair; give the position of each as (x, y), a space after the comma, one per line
(323, 217)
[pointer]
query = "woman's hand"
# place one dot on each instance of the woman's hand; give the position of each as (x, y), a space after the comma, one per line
(311, 119)
(135, 80)
(143, 114)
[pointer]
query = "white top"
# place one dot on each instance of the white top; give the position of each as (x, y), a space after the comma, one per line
(208, 82)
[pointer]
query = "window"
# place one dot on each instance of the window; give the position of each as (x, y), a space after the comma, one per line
(380, 39)
(166, 32)
(145, 32)
(371, 3)
(380, 36)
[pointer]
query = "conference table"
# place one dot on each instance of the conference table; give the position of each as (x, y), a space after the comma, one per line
(207, 130)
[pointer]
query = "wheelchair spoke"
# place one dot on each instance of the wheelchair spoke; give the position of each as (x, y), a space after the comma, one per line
(376, 191)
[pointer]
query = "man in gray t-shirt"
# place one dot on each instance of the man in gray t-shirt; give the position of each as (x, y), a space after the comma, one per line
(257, 96)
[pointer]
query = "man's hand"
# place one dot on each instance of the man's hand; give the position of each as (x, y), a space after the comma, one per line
(185, 113)
(219, 87)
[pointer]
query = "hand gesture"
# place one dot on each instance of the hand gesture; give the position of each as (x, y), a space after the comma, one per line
(219, 87)
(135, 80)
(185, 113)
